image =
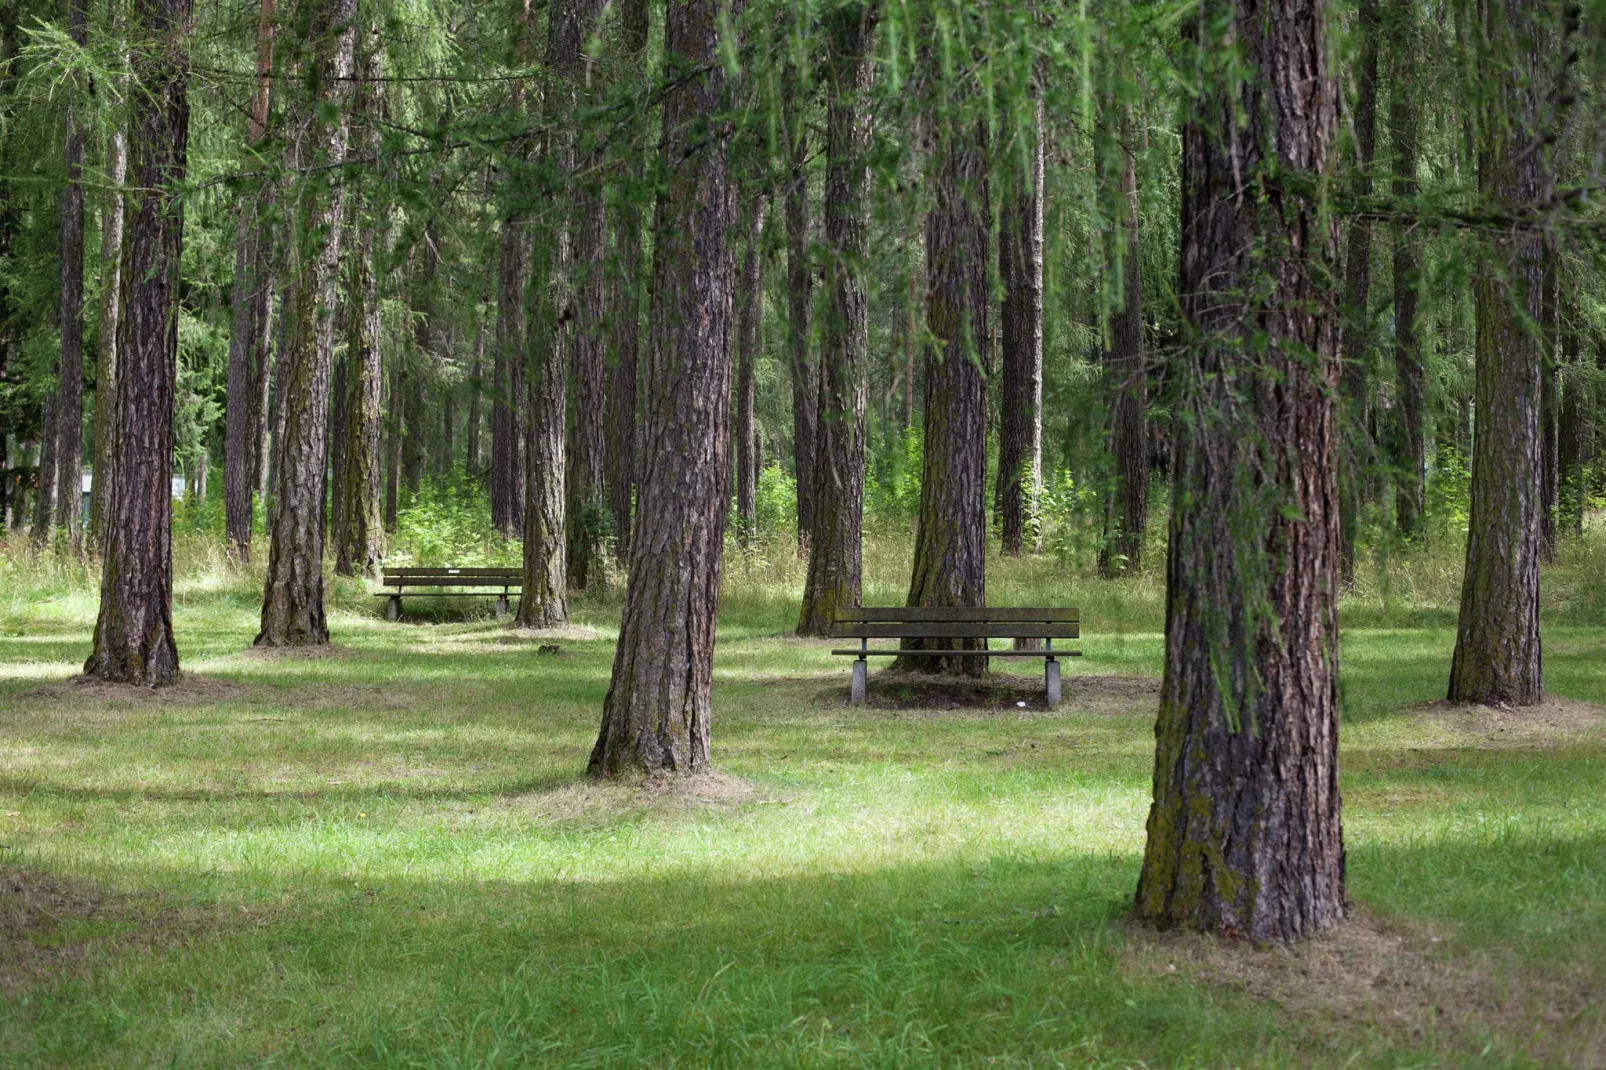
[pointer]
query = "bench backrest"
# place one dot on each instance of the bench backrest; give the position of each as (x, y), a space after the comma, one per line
(956, 622)
(451, 577)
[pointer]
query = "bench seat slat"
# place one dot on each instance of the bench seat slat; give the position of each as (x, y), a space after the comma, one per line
(453, 581)
(439, 594)
(969, 614)
(443, 570)
(894, 652)
(952, 630)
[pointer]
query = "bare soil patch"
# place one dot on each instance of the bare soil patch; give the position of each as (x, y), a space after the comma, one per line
(1001, 692)
(1405, 982)
(1553, 722)
(190, 688)
(596, 802)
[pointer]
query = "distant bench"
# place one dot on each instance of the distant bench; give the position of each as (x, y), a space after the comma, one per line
(401, 579)
(958, 623)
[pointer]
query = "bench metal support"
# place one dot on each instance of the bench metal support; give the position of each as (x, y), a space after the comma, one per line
(501, 605)
(1051, 682)
(861, 674)
(393, 608)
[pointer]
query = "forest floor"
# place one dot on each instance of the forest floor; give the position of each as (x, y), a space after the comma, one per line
(385, 854)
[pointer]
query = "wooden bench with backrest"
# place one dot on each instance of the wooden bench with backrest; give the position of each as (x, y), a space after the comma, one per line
(936, 622)
(443, 583)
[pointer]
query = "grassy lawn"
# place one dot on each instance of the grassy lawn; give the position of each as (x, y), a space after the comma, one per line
(385, 855)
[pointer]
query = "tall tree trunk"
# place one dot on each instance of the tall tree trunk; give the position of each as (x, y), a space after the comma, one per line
(544, 601)
(1020, 264)
(1572, 426)
(1358, 453)
(950, 565)
(1410, 378)
(750, 311)
(415, 422)
(1126, 517)
(657, 713)
(625, 334)
(45, 483)
(1549, 407)
(507, 449)
(292, 599)
(1244, 835)
(799, 304)
(241, 410)
(134, 632)
(360, 534)
(471, 432)
(392, 464)
(106, 367)
(835, 576)
(1497, 655)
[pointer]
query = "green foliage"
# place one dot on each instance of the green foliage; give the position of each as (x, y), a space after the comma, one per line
(892, 480)
(776, 501)
(448, 523)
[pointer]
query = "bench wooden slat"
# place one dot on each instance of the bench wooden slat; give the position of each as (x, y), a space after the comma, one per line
(952, 630)
(438, 594)
(453, 581)
(894, 652)
(969, 614)
(431, 573)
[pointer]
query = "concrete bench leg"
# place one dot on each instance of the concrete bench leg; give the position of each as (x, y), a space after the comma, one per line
(393, 608)
(501, 606)
(861, 674)
(1051, 681)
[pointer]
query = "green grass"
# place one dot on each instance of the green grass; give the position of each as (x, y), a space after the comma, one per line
(386, 856)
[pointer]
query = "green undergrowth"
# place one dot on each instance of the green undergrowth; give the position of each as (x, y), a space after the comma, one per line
(384, 854)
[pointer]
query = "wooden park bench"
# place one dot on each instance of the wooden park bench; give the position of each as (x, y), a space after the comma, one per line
(958, 623)
(443, 581)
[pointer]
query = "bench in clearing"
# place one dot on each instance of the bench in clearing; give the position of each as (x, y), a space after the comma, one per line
(923, 622)
(508, 579)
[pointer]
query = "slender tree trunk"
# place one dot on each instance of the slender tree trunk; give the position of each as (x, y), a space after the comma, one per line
(951, 536)
(1497, 652)
(750, 310)
(1126, 518)
(393, 443)
(106, 369)
(292, 599)
(799, 305)
(471, 432)
(835, 576)
(1572, 426)
(1358, 452)
(415, 421)
(360, 534)
(1410, 378)
(656, 717)
(134, 632)
(1020, 428)
(1549, 408)
(242, 415)
(45, 483)
(544, 601)
(1244, 835)
(507, 451)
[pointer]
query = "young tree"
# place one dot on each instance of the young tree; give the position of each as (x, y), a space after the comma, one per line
(134, 632)
(835, 545)
(657, 715)
(1497, 655)
(799, 299)
(1126, 517)
(1244, 834)
(292, 598)
(508, 465)
(1410, 378)
(750, 313)
(951, 533)
(1020, 264)
(106, 367)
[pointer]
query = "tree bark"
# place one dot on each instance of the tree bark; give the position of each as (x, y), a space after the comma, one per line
(543, 602)
(951, 534)
(1126, 518)
(799, 304)
(1358, 452)
(360, 533)
(1497, 650)
(292, 599)
(656, 718)
(415, 422)
(247, 341)
(1549, 407)
(1410, 378)
(750, 311)
(45, 483)
(471, 431)
(835, 576)
(1244, 834)
(507, 448)
(393, 442)
(106, 365)
(1020, 264)
(134, 632)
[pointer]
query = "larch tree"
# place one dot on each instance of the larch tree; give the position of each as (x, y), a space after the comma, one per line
(799, 297)
(1020, 265)
(252, 299)
(1497, 650)
(292, 599)
(106, 366)
(1126, 516)
(1410, 454)
(507, 482)
(134, 631)
(1244, 834)
(835, 575)
(750, 312)
(657, 715)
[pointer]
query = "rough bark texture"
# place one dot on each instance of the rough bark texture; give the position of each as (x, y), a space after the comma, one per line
(1549, 408)
(1357, 452)
(106, 367)
(507, 447)
(1244, 834)
(657, 715)
(951, 534)
(1020, 263)
(134, 632)
(835, 574)
(1497, 654)
(544, 601)
(750, 310)
(476, 390)
(394, 419)
(242, 437)
(292, 599)
(1126, 516)
(1410, 378)
(44, 495)
(360, 530)
(799, 304)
